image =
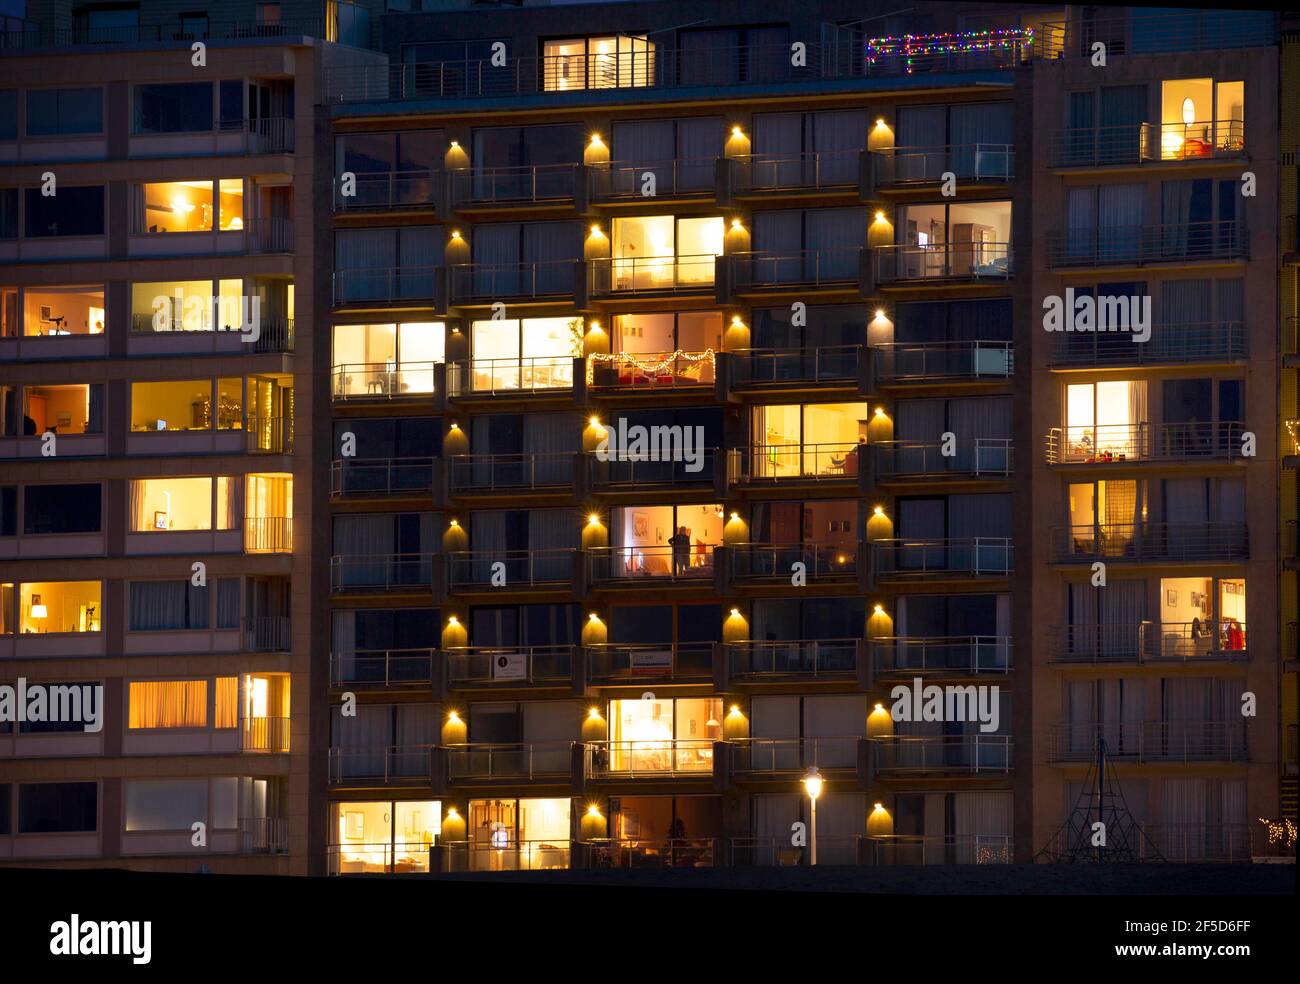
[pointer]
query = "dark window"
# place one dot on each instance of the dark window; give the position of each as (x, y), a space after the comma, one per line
(232, 103)
(66, 727)
(184, 107)
(228, 602)
(57, 807)
(641, 624)
(953, 321)
(495, 723)
(699, 623)
(403, 628)
(167, 605)
(8, 114)
(1230, 400)
(61, 509)
(6, 806)
(400, 437)
(8, 213)
(77, 211)
(8, 510)
(53, 112)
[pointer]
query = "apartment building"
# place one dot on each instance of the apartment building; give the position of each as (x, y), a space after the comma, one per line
(806, 252)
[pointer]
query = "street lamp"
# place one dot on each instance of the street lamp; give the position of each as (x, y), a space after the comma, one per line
(812, 783)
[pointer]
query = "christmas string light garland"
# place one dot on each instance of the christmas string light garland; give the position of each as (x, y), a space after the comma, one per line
(646, 367)
(910, 46)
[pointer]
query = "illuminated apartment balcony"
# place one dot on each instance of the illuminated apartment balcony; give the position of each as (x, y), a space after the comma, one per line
(529, 855)
(382, 669)
(655, 758)
(268, 534)
(486, 283)
(382, 858)
(393, 765)
(619, 475)
(1129, 246)
(923, 168)
(911, 461)
(383, 380)
(513, 187)
(1210, 342)
(385, 285)
(359, 478)
(773, 563)
(792, 660)
(900, 756)
(521, 570)
(677, 852)
(832, 464)
(652, 275)
(652, 372)
(674, 180)
(775, 758)
(956, 262)
(1162, 32)
(1149, 741)
(487, 762)
(264, 734)
(267, 634)
(485, 474)
(508, 667)
(381, 572)
(761, 175)
(756, 274)
(939, 849)
(1202, 641)
(895, 560)
(536, 375)
(275, 333)
(827, 367)
(1169, 543)
(263, 835)
(1148, 143)
(928, 363)
(940, 656)
(1120, 443)
(639, 566)
(622, 663)
(391, 191)
(269, 435)
(264, 236)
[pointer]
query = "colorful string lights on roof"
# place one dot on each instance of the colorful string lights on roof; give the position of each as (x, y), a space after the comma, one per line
(911, 46)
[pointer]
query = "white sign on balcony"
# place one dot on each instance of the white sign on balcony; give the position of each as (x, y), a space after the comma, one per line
(510, 666)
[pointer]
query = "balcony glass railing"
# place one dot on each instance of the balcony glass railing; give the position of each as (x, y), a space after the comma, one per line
(775, 561)
(508, 855)
(907, 559)
(492, 282)
(509, 665)
(978, 162)
(382, 380)
(380, 765)
(953, 754)
(652, 274)
(927, 362)
(385, 190)
(682, 177)
(383, 285)
(487, 761)
(519, 568)
(917, 849)
(610, 662)
(1134, 32)
(917, 655)
(755, 367)
(381, 572)
(487, 186)
(362, 477)
(529, 374)
(689, 757)
(267, 634)
(382, 858)
(677, 852)
(1150, 741)
(382, 668)
(1122, 245)
(687, 563)
(1114, 443)
(635, 474)
(1146, 143)
(796, 268)
(1156, 542)
(800, 658)
(943, 261)
(811, 171)
(982, 457)
(510, 472)
(648, 371)
(1210, 341)
(773, 756)
(795, 462)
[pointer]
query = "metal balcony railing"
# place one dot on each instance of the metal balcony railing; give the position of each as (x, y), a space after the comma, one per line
(519, 568)
(778, 756)
(275, 334)
(1210, 341)
(35, 36)
(539, 184)
(1150, 741)
(797, 268)
(381, 858)
(811, 171)
(383, 285)
(615, 661)
(795, 462)
(677, 178)
(927, 362)
(491, 282)
(1180, 242)
(775, 561)
(676, 852)
(652, 274)
(382, 380)
(982, 457)
(382, 668)
(1146, 143)
(1159, 542)
(527, 375)
(974, 655)
(264, 734)
(636, 473)
(359, 477)
(1114, 443)
(640, 564)
(943, 261)
(688, 757)
(972, 754)
(778, 852)
(1103, 642)
(269, 435)
(488, 761)
(507, 855)
(381, 572)
(804, 659)
(658, 68)
(263, 835)
(918, 849)
(755, 367)
(380, 765)
(643, 371)
(509, 665)
(268, 534)
(1151, 33)
(389, 190)
(907, 559)
(511, 472)
(979, 162)
(267, 634)
(269, 236)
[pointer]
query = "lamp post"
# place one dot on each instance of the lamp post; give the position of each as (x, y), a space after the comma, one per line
(812, 783)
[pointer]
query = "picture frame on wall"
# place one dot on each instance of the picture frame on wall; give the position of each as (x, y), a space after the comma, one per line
(1171, 597)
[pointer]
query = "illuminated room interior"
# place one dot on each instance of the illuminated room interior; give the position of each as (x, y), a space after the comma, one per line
(532, 353)
(643, 533)
(59, 606)
(662, 251)
(61, 409)
(1103, 420)
(664, 735)
(1199, 117)
(186, 405)
(380, 836)
(387, 360)
(808, 439)
(63, 311)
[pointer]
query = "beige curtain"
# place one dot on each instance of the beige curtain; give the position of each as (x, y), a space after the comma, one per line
(168, 704)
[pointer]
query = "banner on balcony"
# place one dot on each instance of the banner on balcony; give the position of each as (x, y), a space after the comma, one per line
(510, 666)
